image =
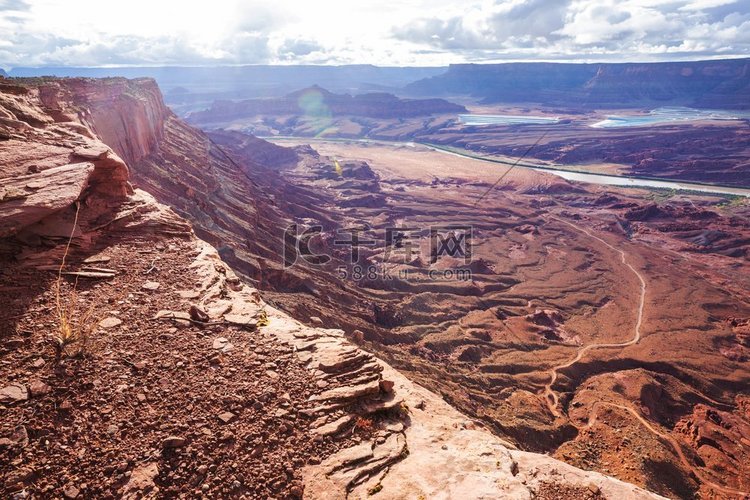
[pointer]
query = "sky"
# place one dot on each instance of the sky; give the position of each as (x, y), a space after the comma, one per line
(381, 32)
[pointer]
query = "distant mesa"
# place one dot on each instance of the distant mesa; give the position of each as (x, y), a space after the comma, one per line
(317, 101)
(721, 84)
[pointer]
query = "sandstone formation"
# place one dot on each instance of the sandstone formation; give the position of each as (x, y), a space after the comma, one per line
(150, 406)
(424, 447)
(351, 424)
(544, 244)
(707, 151)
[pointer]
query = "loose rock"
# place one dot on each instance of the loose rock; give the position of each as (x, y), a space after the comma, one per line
(173, 442)
(226, 417)
(151, 286)
(39, 388)
(110, 322)
(13, 393)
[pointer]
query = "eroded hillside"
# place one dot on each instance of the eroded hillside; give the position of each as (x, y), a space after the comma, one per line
(543, 342)
(180, 379)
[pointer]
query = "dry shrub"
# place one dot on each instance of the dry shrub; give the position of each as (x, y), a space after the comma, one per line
(74, 326)
(364, 424)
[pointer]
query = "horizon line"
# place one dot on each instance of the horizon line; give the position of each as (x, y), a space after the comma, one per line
(335, 65)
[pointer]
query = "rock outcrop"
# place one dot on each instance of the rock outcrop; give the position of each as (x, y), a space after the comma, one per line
(423, 447)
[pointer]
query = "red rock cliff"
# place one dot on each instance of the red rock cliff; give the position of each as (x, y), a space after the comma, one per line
(51, 155)
(128, 115)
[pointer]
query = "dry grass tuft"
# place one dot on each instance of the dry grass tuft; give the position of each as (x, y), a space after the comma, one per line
(74, 326)
(262, 319)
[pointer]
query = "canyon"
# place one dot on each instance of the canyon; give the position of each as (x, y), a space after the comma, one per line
(606, 327)
(720, 84)
(705, 150)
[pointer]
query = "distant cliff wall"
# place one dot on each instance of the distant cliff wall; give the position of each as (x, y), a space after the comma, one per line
(705, 84)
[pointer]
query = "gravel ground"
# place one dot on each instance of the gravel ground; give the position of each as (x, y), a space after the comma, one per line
(176, 410)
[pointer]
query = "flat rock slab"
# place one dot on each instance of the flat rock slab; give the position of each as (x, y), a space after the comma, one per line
(110, 322)
(89, 274)
(334, 427)
(151, 286)
(221, 343)
(141, 481)
(57, 189)
(97, 259)
(93, 269)
(14, 393)
(347, 393)
(226, 417)
(172, 315)
(241, 320)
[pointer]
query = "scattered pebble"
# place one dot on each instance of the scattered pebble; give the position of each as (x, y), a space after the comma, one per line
(13, 393)
(173, 442)
(110, 322)
(226, 417)
(151, 286)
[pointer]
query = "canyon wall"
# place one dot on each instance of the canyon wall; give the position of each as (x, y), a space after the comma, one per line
(60, 178)
(240, 194)
(702, 84)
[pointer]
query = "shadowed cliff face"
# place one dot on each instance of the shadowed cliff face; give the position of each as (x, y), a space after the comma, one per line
(543, 286)
(127, 115)
(229, 185)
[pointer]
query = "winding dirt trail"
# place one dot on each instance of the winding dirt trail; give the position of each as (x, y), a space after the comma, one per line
(672, 441)
(552, 399)
(549, 395)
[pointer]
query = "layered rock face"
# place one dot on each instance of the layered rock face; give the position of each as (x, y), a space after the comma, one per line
(60, 186)
(51, 160)
(235, 191)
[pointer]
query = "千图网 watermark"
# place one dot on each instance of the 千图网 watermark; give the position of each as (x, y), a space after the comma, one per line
(394, 245)
(382, 272)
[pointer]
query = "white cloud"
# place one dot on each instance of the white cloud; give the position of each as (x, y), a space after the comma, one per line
(385, 32)
(615, 30)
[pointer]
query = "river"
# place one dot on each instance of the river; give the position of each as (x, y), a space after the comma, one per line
(571, 175)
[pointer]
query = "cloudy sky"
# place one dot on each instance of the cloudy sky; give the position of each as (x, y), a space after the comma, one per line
(383, 32)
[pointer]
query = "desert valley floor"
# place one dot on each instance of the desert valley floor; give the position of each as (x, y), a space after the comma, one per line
(606, 326)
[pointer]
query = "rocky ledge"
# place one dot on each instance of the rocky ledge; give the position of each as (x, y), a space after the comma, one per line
(421, 447)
